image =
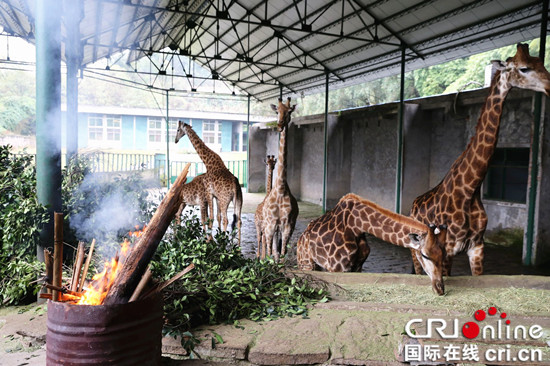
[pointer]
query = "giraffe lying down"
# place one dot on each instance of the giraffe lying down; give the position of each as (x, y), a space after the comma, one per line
(336, 241)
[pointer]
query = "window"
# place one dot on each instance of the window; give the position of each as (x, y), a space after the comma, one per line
(95, 128)
(212, 134)
(104, 128)
(507, 175)
(156, 130)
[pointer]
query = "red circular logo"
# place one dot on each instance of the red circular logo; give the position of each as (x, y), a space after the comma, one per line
(470, 330)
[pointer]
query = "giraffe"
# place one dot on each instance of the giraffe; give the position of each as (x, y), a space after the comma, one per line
(280, 207)
(194, 193)
(218, 180)
(337, 240)
(258, 216)
(456, 200)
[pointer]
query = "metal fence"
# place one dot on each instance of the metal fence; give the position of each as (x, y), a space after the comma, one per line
(236, 167)
(107, 162)
(121, 162)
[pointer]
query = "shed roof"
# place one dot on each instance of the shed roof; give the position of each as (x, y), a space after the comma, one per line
(261, 46)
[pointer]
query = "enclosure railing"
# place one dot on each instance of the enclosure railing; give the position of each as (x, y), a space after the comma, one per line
(236, 167)
(108, 162)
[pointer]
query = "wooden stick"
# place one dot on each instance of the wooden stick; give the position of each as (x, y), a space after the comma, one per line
(78, 266)
(86, 266)
(142, 283)
(167, 283)
(64, 297)
(62, 290)
(176, 277)
(48, 260)
(57, 254)
(137, 261)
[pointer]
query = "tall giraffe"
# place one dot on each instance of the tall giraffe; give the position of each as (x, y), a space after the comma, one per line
(337, 242)
(280, 207)
(218, 180)
(456, 200)
(258, 216)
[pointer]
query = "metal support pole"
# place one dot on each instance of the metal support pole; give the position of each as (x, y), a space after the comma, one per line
(247, 142)
(48, 113)
(167, 168)
(399, 166)
(73, 58)
(280, 91)
(325, 162)
(530, 236)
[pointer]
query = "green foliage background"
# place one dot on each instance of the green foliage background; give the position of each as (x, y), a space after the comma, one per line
(21, 217)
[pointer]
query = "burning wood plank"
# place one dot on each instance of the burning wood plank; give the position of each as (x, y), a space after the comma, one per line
(137, 261)
(80, 252)
(86, 266)
(57, 254)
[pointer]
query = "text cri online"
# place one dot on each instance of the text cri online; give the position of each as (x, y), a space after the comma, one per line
(470, 352)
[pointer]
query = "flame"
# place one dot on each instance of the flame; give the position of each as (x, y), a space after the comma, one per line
(102, 282)
(138, 233)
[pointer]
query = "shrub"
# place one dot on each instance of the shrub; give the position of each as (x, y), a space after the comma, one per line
(21, 217)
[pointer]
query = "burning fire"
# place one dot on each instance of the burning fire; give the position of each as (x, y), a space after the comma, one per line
(102, 282)
(138, 233)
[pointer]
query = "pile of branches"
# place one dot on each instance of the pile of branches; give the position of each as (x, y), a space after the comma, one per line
(224, 286)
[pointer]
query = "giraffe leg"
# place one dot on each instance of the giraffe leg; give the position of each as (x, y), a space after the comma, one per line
(269, 234)
(478, 224)
(210, 202)
(204, 213)
(363, 251)
(476, 255)
(178, 214)
(259, 239)
(303, 253)
(417, 267)
(286, 234)
(447, 264)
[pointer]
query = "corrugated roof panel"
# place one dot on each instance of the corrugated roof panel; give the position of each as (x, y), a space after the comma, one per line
(433, 31)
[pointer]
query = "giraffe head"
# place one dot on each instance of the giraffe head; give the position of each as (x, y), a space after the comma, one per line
(524, 71)
(430, 253)
(181, 130)
(270, 162)
(284, 111)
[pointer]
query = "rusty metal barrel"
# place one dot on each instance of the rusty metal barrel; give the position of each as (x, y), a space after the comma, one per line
(122, 334)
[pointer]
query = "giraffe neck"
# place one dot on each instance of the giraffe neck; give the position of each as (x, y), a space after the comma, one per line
(368, 217)
(211, 160)
(280, 180)
(269, 178)
(474, 161)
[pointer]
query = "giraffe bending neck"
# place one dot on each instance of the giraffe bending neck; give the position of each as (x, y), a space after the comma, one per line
(211, 160)
(380, 219)
(474, 161)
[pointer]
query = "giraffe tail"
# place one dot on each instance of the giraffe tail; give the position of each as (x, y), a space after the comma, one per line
(238, 204)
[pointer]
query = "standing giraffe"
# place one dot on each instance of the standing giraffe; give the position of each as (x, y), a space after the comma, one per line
(258, 216)
(337, 242)
(218, 180)
(280, 207)
(195, 193)
(456, 200)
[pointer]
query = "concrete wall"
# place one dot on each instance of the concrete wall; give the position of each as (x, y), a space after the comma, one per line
(362, 153)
